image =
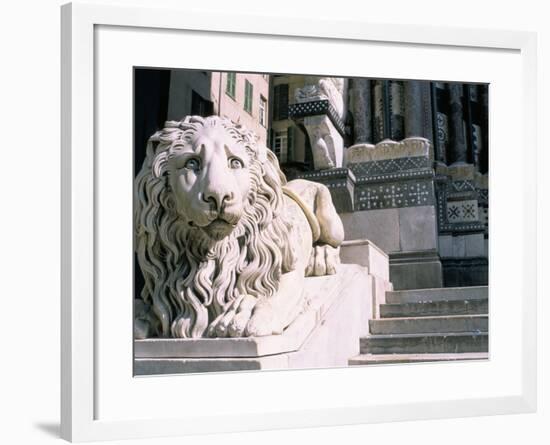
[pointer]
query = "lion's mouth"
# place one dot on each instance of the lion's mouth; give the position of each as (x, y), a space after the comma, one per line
(219, 228)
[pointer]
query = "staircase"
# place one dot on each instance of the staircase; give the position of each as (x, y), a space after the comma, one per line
(428, 325)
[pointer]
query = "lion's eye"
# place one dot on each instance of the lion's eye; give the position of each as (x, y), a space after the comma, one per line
(235, 163)
(192, 164)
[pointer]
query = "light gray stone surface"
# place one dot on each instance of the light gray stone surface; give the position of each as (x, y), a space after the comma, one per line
(365, 253)
(341, 307)
(417, 228)
(445, 246)
(416, 270)
(471, 245)
(425, 343)
(438, 294)
(435, 308)
(388, 149)
(379, 226)
(474, 245)
(459, 247)
(387, 359)
(419, 325)
(380, 288)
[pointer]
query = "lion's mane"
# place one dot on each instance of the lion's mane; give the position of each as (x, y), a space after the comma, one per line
(189, 279)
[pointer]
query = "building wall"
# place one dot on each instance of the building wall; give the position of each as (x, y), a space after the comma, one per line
(440, 194)
(211, 86)
(233, 108)
(282, 126)
(182, 85)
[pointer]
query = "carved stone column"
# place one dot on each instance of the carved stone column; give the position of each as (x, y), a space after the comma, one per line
(418, 111)
(413, 109)
(397, 110)
(440, 107)
(380, 109)
(427, 112)
(474, 124)
(360, 90)
(484, 156)
(458, 151)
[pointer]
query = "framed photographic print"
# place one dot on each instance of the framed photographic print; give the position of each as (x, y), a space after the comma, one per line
(263, 216)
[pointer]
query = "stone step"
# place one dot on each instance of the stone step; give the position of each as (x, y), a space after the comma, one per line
(424, 325)
(446, 293)
(435, 308)
(424, 343)
(380, 359)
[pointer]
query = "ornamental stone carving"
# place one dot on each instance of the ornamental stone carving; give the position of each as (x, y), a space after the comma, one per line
(326, 138)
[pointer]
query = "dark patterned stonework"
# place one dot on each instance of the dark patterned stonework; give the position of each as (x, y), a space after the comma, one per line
(462, 186)
(389, 166)
(340, 182)
(455, 217)
(316, 108)
(394, 195)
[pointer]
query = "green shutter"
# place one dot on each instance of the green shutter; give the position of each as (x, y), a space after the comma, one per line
(248, 91)
(230, 84)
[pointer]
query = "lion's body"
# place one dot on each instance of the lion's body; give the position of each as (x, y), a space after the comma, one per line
(222, 249)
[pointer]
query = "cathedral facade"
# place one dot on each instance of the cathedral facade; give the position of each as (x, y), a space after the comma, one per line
(406, 162)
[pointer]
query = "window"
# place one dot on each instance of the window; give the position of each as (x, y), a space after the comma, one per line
(248, 90)
(280, 102)
(280, 145)
(263, 111)
(230, 84)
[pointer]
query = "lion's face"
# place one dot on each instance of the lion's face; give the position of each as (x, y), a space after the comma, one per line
(210, 180)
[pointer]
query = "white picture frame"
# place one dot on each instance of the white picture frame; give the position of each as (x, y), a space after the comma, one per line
(81, 419)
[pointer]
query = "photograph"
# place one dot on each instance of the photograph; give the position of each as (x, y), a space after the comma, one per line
(298, 221)
(244, 223)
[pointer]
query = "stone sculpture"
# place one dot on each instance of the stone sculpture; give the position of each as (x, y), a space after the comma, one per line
(327, 143)
(223, 241)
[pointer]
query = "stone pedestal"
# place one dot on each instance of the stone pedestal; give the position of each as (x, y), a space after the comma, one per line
(462, 195)
(416, 270)
(365, 253)
(325, 334)
(395, 207)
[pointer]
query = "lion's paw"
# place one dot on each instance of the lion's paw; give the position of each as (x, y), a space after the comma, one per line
(264, 321)
(323, 260)
(233, 322)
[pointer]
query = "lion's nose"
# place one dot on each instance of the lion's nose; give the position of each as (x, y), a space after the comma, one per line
(217, 198)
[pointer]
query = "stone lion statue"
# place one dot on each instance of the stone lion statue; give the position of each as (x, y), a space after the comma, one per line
(223, 241)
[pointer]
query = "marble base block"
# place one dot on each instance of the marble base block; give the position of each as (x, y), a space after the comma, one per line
(325, 334)
(365, 253)
(416, 270)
